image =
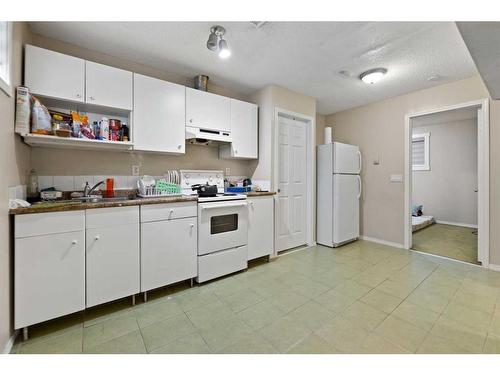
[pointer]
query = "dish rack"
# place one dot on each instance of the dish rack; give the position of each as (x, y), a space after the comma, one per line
(161, 188)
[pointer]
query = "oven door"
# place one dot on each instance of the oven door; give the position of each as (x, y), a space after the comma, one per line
(222, 225)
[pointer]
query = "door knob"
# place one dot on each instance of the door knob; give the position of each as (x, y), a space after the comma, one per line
(74, 242)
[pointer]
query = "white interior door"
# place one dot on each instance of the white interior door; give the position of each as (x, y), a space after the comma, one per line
(292, 185)
(346, 194)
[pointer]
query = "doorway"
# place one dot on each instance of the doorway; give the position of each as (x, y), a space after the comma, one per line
(447, 175)
(293, 180)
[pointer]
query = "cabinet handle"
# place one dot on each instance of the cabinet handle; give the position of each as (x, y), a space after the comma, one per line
(191, 225)
(97, 238)
(74, 242)
(235, 152)
(91, 97)
(78, 95)
(179, 147)
(191, 120)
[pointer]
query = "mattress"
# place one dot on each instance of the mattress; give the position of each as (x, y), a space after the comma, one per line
(420, 222)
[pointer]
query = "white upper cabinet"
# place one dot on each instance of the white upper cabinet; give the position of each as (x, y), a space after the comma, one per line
(108, 86)
(208, 111)
(244, 132)
(54, 74)
(159, 115)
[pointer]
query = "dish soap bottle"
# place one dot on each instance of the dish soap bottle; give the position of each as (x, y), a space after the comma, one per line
(32, 188)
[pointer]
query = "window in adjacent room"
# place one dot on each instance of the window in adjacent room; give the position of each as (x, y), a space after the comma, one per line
(6, 57)
(420, 152)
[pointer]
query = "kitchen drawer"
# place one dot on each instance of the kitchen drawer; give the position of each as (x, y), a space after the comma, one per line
(221, 263)
(48, 223)
(113, 216)
(168, 211)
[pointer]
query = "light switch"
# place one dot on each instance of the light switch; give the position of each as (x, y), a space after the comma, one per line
(376, 160)
(397, 178)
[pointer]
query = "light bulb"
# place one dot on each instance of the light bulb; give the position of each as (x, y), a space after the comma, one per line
(224, 51)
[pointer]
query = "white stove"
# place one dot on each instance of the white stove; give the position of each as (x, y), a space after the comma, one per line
(222, 226)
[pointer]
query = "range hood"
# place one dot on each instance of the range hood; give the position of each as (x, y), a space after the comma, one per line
(199, 136)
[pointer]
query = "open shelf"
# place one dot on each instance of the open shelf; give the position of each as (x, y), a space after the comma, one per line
(39, 140)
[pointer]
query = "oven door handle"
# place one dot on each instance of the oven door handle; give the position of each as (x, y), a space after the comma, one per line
(208, 207)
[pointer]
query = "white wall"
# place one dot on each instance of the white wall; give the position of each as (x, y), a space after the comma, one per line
(14, 168)
(447, 189)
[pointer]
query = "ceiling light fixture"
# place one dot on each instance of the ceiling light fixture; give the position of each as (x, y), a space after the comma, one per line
(373, 75)
(216, 42)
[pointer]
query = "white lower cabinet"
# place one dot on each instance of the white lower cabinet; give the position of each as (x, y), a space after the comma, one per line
(49, 268)
(168, 252)
(169, 244)
(112, 254)
(260, 226)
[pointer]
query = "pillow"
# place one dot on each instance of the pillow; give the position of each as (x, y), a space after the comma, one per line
(417, 210)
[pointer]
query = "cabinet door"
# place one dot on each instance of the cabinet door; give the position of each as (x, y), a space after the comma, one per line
(49, 277)
(168, 252)
(159, 115)
(244, 132)
(108, 86)
(207, 111)
(260, 226)
(112, 263)
(54, 74)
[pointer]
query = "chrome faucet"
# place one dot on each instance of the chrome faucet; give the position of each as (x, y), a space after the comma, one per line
(87, 191)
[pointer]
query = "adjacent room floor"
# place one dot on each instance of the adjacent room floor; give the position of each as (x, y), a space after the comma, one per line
(361, 298)
(449, 241)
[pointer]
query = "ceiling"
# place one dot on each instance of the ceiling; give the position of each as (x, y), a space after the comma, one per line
(483, 43)
(444, 117)
(319, 59)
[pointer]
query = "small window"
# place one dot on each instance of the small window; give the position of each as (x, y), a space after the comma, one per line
(5, 57)
(420, 154)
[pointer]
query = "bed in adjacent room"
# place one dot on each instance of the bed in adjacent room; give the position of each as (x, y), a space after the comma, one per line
(421, 222)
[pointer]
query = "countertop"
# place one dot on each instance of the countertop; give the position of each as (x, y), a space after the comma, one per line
(65, 206)
(259, 193)
(75, 206)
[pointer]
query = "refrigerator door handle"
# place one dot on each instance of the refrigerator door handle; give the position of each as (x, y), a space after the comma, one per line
(360, 161)
(360, 188)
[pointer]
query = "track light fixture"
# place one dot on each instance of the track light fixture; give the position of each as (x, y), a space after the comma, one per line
(216, 42)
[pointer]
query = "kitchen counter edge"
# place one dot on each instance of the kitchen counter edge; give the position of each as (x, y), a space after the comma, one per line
(86, 206)
(259, 193)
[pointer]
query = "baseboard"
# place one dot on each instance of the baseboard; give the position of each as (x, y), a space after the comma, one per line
(8, 346)
(382, 242)
(494, 267)
(456, 224)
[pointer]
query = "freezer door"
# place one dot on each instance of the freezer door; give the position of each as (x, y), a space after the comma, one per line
(346, 194)
(346, 158)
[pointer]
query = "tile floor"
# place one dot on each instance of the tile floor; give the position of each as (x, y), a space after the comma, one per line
(360, 298)
(449, 241)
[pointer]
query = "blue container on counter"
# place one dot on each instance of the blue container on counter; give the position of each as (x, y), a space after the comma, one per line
(238, 189)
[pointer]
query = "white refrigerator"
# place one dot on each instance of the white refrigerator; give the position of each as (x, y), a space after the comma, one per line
(338, 193)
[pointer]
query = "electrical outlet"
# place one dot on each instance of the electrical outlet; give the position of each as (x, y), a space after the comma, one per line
(228, 171)
(135, 170)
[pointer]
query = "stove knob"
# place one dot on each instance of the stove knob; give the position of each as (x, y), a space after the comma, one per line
(210, 179)
(218, 176)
